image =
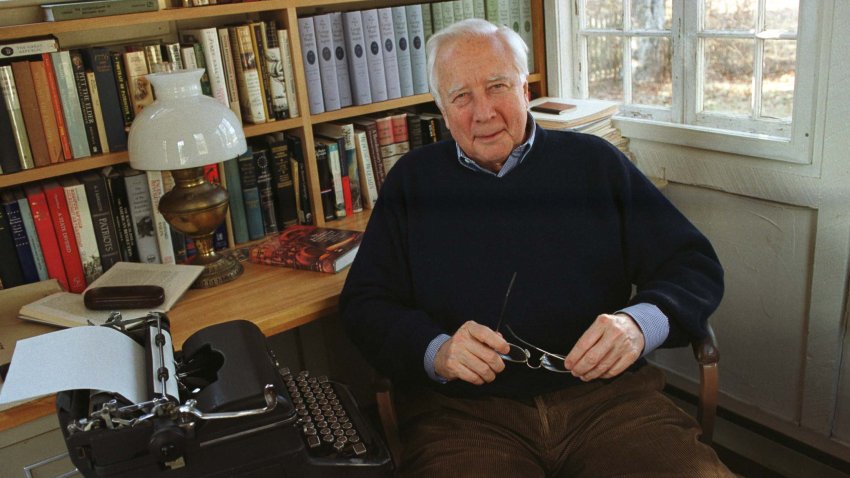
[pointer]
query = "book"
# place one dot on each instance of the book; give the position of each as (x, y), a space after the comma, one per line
(327, 62)
(283, 185)
(299, 176)
(416, 36)
(310, 58)
(258, 39)
(32, 234)
(97, 109)
(57, 12)
(274, 66)
(28, 47)
(369, 126)
(72, 111)
(248, 77)
(99, 61)
(368, 186)
(46, 234)
(10, 161)
(236, 201)
(86, 106)
(343, 77)
(312, 248)
(251, 194)
(335, 166)
(106, 233)
(585, 111)
(127, 111)
(65, 237)
(81, 222)
(288, 73)
(139, 88)
(402, 39)
(526, 31)
(448, 11)
(437, 17)
(355, 49)
(327, 190)
(120, 206)
(11, 274)
(228, 63)
(388, 47)
(68, 310)
(26, 89)
(52, 140)
(20, 239)
(264, 188)
(162, 231)
(141, 212)
(16, 117)
(374, 55)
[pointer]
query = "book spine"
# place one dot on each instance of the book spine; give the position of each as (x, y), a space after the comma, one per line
(208, 39)
(460, 12)
(251, 194)
(448, 10)
(288, 74)
(86, 107)
(29, 109)
(479, 10)
(52, 141)
(350, 149)
(16, 116)
(122, 87)
(9, 159)
(402, 37)
(468, 8)
(526, 31)
(172, 55)
(162, 230)
(11, 274)
(326, 182)
(299, 175)
(385, 22)
(114, 120)
(121, 214)
(78, 212)
(343, 77)
(355, 47)
(29, 47)
(247, 76)
(201, 62)
(418, 62)
(237, 202)
(96, 8)
(515, 15)
(32, 235)
(335, 164)
(65, 236)
(274, 66)
(414, 131)
(58, 111)
(106, 233)
(70, 104)
(258, 38)
(98, 111)
(264, 187)
(427, 21)
(229, 71)
(374, 55)
(155, 59)
(138, 87)
(141, 212)
(327, 62)
(283, 186)
(43, 222)
(437, 16)
(371, 129)
(367, 175)
(310, 57)
(15, 223)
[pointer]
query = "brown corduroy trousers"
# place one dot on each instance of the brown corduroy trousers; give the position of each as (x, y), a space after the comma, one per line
(620, 427)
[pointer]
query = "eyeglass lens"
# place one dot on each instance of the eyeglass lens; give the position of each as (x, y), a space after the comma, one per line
(518, 354)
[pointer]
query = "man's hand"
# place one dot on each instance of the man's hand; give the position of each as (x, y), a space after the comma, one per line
(471, 354)
(609, 346)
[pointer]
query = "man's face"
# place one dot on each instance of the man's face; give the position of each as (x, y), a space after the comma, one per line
(484, 102)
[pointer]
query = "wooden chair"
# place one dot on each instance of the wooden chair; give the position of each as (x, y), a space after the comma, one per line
(706, 354)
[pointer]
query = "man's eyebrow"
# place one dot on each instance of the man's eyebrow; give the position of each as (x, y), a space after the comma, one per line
(454, 89)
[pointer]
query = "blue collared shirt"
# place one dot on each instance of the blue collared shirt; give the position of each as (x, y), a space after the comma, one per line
(654, 325)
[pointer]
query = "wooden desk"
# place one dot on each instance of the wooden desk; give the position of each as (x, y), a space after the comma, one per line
(274, 298)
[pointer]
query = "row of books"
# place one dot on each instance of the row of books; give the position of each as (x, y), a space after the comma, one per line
(365, 56)
(588, 116)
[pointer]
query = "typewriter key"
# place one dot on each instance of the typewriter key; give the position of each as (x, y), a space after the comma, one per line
(313, 441)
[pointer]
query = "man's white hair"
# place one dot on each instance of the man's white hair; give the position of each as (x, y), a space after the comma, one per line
(473, 28)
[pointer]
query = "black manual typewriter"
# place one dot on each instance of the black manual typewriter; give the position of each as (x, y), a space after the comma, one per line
(235, 412)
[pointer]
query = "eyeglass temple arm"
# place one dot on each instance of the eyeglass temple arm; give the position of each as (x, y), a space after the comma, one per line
(505, 303)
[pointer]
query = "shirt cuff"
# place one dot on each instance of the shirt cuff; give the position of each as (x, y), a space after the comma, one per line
(652, 322)
(431, 354)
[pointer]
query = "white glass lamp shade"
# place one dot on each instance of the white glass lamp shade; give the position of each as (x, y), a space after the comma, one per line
(183, 128)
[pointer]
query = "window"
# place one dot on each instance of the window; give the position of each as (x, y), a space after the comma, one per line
(731, 75)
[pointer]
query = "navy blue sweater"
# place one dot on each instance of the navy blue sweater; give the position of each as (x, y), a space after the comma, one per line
(576, 221)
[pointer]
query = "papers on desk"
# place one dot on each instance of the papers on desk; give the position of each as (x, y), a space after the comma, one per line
(66, 309)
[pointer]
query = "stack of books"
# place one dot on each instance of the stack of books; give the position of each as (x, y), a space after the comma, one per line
(584, 116)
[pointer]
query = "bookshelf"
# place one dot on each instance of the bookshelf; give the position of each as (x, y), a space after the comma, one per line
(286, 13)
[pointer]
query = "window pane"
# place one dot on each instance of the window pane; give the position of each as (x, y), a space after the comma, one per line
(651, 71)
(605, 78)
(728, 84)
(730, 14)
(605, 14)
(781, 15)
(779, 77)
(652, 14)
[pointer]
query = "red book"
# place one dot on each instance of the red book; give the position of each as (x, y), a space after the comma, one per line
(57, 105)
(46, 235)
(65, 235)
(311, 248)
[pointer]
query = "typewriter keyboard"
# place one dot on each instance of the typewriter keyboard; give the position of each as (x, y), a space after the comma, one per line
(325, 414)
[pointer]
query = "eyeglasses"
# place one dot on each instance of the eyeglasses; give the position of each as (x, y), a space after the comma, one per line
(518, 354)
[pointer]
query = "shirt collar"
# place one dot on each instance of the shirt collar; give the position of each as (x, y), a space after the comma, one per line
(516, 157)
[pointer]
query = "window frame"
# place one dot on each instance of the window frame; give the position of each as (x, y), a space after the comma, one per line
(709, 131)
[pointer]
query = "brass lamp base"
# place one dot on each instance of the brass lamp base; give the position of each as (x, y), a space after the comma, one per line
(196, 208)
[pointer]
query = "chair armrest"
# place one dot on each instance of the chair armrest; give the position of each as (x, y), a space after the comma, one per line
(706, 351)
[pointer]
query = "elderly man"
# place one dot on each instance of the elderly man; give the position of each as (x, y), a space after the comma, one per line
(510, 281)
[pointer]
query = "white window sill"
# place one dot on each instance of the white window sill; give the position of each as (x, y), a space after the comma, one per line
(745, 144)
